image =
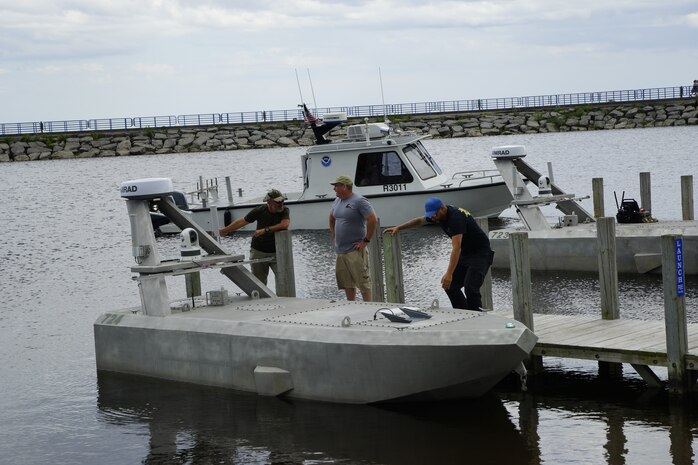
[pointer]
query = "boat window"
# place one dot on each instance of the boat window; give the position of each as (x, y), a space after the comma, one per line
(378, 168)
(427, 155)
(421, 161)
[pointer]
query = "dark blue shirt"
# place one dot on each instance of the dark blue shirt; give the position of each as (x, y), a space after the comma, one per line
(460, 221)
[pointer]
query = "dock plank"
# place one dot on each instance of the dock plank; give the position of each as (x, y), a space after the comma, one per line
(640, 342)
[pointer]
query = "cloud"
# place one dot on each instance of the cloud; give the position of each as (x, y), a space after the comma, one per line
(77, 29)
(247, 51)
(691, 19)
(154, 70)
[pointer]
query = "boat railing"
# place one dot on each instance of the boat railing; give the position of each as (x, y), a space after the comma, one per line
(464, 177)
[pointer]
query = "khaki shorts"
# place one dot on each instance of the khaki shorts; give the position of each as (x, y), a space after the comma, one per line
(352, 270)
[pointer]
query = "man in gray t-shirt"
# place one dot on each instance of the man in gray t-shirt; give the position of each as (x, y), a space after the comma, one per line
(352, 224)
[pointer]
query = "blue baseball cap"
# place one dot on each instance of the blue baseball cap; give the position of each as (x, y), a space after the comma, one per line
(432, 206)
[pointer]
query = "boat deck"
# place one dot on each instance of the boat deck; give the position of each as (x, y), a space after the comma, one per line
(322, 313)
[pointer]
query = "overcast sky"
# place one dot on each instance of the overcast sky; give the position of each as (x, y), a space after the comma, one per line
(84, 59)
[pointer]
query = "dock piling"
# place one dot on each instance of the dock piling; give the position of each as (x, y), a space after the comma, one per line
(521, 288)
(608, 268)
(375, 256)
(608, 284)
(687, 210)
(675, 313)
(286, 279)
(395, 287)
(521, 278)
(597, 193)
(645, 191)
(486, 288)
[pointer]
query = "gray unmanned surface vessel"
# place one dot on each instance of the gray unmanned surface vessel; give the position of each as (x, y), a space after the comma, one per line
(335, 351)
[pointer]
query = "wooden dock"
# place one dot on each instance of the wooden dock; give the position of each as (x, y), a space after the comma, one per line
(607, 339)
(671, 343)
(636, 342)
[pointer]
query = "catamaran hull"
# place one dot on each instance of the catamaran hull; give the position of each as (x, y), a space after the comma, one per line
(488, 200)
(272, 349)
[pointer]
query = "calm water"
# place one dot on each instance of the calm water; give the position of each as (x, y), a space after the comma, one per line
(65, 258)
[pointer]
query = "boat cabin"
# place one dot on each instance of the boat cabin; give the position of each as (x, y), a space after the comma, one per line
(378, 162)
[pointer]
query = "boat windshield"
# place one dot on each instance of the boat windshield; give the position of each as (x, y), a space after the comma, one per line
(379, 168)
(422, 162)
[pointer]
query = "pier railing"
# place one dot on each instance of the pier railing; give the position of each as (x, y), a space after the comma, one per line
(361, 111)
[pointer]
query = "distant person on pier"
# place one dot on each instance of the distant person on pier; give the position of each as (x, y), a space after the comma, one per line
(694, 89)
(270, 218)
(352, 224)
(471, 256)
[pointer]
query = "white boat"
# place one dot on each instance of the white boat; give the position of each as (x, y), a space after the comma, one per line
(571, 244)
(393, 170)
(317, 349)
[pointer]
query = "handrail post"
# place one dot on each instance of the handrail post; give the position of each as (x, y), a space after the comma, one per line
(687, 198)
(395, 288)
(486, 288)
(675, 313)
(286, 277)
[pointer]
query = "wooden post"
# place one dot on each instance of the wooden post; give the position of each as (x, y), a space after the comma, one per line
(286, 278)
(521, 288)
(597, 193)
(687, 198)
(486, 288)
(608, 283)
(645, 191)
(608, 268)
(375, 255)
(394, 286)
(675, 312)
(521, 278)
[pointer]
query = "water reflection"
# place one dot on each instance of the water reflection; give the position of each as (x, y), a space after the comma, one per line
(630, 421)
(564, 418)
(193, 424)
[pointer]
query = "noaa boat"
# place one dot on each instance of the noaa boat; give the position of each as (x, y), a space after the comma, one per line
(571, 243)
(392, 169)
(317, 349)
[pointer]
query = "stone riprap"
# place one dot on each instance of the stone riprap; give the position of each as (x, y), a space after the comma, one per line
(90, 144)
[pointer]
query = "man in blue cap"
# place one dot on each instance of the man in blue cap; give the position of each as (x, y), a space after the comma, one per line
(471, 255)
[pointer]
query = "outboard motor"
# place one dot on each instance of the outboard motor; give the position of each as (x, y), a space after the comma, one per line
(630, 212)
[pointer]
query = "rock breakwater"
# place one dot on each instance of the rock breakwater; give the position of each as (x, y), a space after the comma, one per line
(90, 144)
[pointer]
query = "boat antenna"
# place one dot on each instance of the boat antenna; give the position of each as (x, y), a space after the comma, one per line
(385, 110)
(299, 85)
(312, 90)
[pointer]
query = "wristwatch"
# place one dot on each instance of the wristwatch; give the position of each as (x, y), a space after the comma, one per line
(266, 230)
(366, 239)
